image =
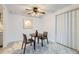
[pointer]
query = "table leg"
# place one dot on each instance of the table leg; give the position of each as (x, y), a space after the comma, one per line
(34, 45)
(47, 40)
(24, 49)
(31, 43)
(38, 40)
(22, 45)
(42, 42)
(35, 39)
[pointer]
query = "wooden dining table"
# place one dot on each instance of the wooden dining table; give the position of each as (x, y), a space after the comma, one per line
(36, 37)
(33, 35)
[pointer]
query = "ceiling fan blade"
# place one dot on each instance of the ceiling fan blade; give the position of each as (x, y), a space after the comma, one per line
(28, 9)
(42, 12)
(30, 13)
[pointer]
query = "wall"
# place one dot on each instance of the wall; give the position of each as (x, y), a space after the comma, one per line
(49, 26)
(14, 27)
(1, 23)
(1, 26)
(5, 26)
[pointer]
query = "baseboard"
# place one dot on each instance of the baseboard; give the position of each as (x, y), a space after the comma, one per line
(68, 47)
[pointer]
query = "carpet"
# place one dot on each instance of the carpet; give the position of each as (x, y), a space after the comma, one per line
(51, 48)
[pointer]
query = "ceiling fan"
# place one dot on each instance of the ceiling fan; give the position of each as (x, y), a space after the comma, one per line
(35, 10)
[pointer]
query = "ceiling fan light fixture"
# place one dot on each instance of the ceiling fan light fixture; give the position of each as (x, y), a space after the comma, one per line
(36, 11)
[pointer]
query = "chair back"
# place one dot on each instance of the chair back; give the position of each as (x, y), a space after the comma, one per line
(24, 38)
(36, 33)
(45, 34)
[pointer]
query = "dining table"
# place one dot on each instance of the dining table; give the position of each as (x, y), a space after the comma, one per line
(37, 37)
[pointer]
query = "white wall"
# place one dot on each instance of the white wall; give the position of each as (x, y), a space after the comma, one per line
(5, 26)
(1, 23)
(13, 26)
(1, 26)
(49, 26)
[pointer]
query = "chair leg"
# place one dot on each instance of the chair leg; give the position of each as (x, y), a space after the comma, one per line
(42, 42)
(35, 39)
(34, 46)
(47, 40)
(38, 40)
(22, 45)
(24, 49)
(31, 44)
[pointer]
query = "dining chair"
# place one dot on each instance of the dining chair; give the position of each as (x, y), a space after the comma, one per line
(26, 41)
(36, 35)
(43, 37)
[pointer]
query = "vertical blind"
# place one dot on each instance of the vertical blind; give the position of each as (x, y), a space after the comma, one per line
(67, 29)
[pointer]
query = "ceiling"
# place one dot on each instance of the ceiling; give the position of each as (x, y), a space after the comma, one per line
(20, 8)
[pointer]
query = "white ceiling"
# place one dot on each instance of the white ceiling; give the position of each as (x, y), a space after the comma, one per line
(20, 8)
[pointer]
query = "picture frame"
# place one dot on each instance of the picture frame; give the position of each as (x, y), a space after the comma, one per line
(27, 24)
